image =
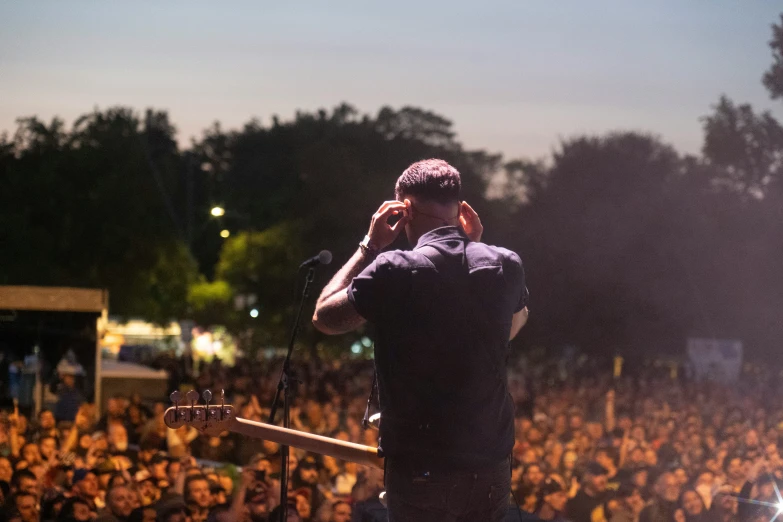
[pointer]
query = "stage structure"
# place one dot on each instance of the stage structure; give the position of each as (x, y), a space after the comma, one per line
(41, 324)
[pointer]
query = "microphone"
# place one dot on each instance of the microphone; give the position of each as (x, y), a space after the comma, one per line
(323, 258)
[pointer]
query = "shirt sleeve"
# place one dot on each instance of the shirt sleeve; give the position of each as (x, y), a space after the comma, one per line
(523, 299)
(368, 290)
(519, 282)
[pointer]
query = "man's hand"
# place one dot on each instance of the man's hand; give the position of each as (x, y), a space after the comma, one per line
(470, 221)
(248, 477)
(381, 233)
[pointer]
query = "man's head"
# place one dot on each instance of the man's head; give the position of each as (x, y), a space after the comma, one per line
(23, 481)
(118, 437)
(733, 468)
(158, 465)
(85, 484)
(308, 470)
(431, 190)
(552, 494)
(118, 500)
(667, 487)
(606, 457)
(48, 446)
(197, 492)
(27, 506)
(46, 419)
(76, 509)
(341, 512)
(172, 510)
(533, 475)
(115, 406)
(30, 453)
(594, 479)
(6, 469)
(628, 495)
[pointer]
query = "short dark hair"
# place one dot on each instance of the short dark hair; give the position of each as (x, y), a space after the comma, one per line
(20, 474)
(66, 512)
(190, 480)
(609, 451)
(112, 489)
(431, 179)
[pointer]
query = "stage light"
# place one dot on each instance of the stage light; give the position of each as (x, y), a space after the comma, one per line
(254, 313)
(224, 233)
(356, 348)
(217, 211)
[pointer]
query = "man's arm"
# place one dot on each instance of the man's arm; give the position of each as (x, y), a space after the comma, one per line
(518, 320)
(334, 313)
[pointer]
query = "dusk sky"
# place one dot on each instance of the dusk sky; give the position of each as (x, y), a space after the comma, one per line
(514, 76)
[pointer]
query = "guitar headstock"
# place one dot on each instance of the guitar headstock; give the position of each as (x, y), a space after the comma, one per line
(211, 419)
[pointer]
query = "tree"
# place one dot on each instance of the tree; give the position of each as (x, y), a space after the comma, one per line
(745, 148)
(263, 265)
(773, 78)
(591, 240)
(93, 206)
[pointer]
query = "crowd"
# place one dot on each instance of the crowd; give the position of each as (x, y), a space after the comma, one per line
(590, 447)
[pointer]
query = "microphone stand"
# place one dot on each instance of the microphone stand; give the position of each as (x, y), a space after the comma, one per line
(284, 386)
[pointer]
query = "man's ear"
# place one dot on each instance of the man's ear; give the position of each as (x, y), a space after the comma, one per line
(407, 211)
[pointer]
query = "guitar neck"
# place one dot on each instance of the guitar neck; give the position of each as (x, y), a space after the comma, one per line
(339, 449)
(215, 419)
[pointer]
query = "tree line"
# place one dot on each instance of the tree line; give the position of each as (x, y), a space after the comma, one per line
(628, 244)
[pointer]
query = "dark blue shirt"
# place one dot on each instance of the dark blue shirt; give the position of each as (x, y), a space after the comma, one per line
(442, 313)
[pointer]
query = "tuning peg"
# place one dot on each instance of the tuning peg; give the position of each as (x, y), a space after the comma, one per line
(175, 397)
(222, 402)
(192, 396)
(207, 397)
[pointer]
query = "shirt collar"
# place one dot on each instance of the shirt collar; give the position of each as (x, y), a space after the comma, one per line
(442, 234)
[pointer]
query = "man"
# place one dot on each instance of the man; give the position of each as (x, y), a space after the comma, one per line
(606, 456)
(27, 506)
(587, 504)
(69, 398)
(664, 504)
(118, 441)
(47, 447)
(118, 505)
(550, 503)
(24, 481)
(115, 412)
(85, 486)
(533, 476)
(627, 504)
(46, 426)
(341, 512)
(173, 510)
(6, 470)
(306, 475)
(444, 314)
(198, 496)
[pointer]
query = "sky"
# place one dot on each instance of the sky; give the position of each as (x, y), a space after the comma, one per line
(515, 77)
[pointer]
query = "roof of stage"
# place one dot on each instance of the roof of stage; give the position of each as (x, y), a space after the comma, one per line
(53, 299)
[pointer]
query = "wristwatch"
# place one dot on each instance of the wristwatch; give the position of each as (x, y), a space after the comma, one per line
(367, 247)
